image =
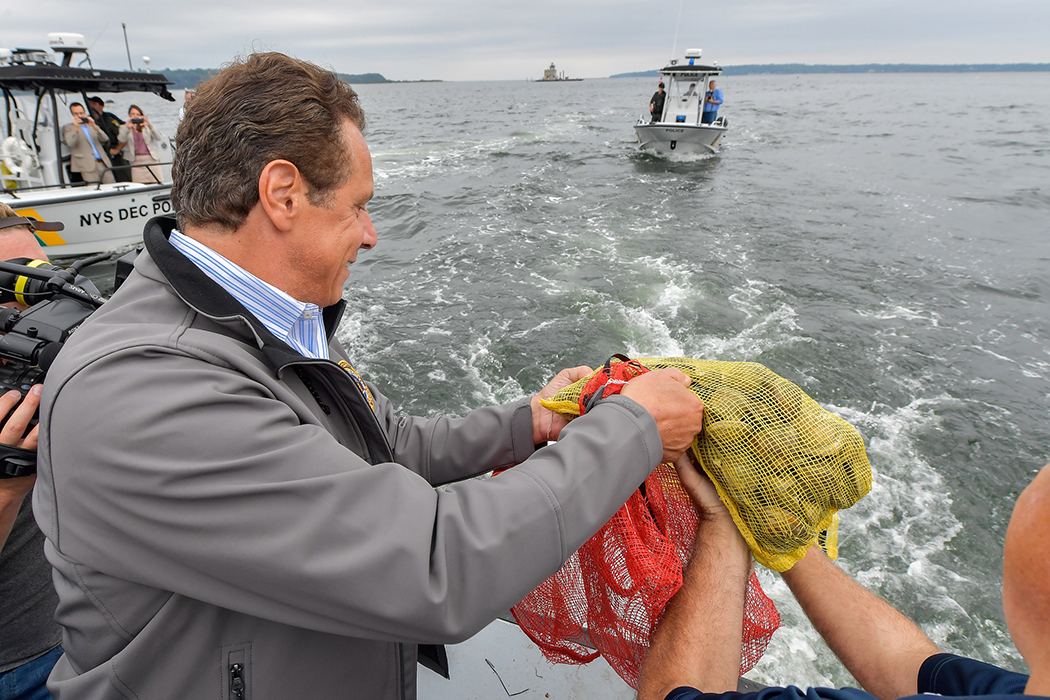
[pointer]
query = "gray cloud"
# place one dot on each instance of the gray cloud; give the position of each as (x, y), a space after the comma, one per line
(471, 40)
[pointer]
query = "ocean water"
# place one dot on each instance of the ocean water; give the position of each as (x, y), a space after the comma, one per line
(881, 240)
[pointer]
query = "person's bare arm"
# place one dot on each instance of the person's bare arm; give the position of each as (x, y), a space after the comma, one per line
(13, 491)
(881, 647)
(697, 643)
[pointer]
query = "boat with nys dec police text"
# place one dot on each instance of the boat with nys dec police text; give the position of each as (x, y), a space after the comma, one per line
(34, 176)
(680, 128)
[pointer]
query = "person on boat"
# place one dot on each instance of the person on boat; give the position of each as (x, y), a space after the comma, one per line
(89, 156)
(142, 145)
(695, 651)
(656, 104)
(250, 516)
(712, 101)
(110, 124)
(187, 99)
(30, 639)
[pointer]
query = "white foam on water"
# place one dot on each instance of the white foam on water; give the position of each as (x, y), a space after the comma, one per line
(357, 334)
(677, 289)
(477, 363)
(746, 299)
(648, 335)
(677, 157)
(901, 312)
(776, 328)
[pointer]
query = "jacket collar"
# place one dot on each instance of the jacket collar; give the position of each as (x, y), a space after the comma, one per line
(206, 296)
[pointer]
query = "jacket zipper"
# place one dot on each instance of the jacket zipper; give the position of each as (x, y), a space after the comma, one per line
(336, 392)
(236, 682)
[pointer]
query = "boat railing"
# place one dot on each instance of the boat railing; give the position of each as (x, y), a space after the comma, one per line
(128, 168)
(15, 191)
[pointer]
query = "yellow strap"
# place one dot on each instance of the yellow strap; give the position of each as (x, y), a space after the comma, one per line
(21, 281)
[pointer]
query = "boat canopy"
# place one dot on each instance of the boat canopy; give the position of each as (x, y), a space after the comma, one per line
(685, 71)
(41, 78)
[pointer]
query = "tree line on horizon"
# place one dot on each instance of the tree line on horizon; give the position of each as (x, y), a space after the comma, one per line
(191, 77)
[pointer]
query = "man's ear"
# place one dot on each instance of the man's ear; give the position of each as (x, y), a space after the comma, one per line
(282, 192)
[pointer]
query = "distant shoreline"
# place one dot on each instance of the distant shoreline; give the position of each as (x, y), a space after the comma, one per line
(797, 68)
(190, 77)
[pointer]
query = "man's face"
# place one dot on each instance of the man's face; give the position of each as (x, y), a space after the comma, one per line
(713, 84)
(331, 233)
(96, 108)
(77, 111)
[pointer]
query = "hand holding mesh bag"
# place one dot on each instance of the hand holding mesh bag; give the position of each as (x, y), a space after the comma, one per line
(609, 596)
(782, 464)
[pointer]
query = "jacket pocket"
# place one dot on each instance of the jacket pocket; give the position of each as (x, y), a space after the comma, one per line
(236, 672)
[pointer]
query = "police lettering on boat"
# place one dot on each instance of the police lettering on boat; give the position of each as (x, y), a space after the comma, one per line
(679, 127)
(35, 179)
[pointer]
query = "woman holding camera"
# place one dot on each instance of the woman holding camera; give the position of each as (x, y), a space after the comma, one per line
(142, 145)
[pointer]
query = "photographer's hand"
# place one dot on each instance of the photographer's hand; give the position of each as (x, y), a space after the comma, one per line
(13, 491)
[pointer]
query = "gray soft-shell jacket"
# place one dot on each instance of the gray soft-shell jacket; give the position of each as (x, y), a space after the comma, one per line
(228, 519)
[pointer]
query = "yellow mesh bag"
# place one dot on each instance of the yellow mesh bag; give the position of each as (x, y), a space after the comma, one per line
(782, 464)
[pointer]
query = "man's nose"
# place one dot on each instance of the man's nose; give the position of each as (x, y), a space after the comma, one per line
(370, 238)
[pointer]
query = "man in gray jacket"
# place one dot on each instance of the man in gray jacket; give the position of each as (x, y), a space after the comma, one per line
(231, 512)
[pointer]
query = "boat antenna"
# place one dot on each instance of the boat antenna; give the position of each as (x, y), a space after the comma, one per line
(674, 49)
(131, 67)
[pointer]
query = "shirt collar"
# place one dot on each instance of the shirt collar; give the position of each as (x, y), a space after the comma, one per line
(278, 311)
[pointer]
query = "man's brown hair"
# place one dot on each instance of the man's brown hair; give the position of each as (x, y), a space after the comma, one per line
(262, 108)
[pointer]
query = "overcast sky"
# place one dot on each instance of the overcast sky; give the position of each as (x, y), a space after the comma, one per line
(473, 40)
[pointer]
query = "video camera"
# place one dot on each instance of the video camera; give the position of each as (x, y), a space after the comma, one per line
(58, 301)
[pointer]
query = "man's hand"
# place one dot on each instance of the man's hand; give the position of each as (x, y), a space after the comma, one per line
(678, 412)
(15, 427)
(547, 425)
(713, 512)
(13, 491)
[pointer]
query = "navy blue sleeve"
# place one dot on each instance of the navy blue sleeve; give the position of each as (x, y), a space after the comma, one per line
(943, 674)
(788, 693)
(947, 674)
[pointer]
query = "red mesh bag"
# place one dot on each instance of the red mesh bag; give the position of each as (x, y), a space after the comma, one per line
(609, 596)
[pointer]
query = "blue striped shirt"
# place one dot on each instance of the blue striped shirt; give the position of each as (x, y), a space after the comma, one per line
(298, 323)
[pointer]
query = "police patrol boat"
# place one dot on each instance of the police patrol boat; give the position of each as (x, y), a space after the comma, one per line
(34, 179)
(679, 129)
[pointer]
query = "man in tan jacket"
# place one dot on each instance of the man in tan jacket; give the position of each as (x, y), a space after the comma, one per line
(87, 143)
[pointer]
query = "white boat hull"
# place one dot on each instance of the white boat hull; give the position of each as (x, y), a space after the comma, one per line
(500, 661)
(666, 137)
(96, 218)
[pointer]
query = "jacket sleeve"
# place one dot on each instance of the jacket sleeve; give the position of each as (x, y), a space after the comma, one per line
(71, 134)
(123, 140)
(443, 450)
(948, 674)
(196, 479)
